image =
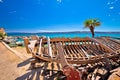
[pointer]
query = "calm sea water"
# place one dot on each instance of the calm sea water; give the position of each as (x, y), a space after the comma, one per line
(69, 34)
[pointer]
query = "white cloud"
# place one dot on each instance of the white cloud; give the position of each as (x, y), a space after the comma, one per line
(108, 3)
(45, 31)
(119, 13)
(111, 7)
(12, 12)
(109, 15)
(112, 2)
(1, 1)
(58, 30)
(62, 28)
(116, 0)
(59, 1)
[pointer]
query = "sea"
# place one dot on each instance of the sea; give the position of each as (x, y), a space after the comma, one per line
(68, 34)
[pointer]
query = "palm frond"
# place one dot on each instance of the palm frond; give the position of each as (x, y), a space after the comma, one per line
(97, 24)
(91, 24)
(88, 22)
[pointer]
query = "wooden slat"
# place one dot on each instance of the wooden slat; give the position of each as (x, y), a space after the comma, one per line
(71, 51)
(72, 61)
(107, 48)
(68, 52)
(78, 50)
(114, 45)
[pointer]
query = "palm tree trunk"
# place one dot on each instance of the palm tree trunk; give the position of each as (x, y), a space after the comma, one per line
(93, 34)
(92, 31)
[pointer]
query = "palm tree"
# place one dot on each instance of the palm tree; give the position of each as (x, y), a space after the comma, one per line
(91, 24)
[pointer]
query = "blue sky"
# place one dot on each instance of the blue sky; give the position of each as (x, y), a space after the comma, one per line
(58, 15)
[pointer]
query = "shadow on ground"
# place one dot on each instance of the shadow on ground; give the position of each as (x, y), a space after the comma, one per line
(24, 63)
(31, 75)
(39, 73)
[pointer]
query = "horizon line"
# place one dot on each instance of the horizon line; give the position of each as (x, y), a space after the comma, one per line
(54, 31)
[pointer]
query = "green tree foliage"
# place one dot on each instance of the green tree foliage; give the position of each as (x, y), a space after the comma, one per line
(2, 36)
(91, 24)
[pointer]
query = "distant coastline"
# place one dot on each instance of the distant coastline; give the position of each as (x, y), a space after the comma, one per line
(81, 34)
(71, 32)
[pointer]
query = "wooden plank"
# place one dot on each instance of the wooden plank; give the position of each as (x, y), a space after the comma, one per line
(107, 48)
(82, 50)
(26, 42)
(75, 51)
(78, 51)
(68, 52)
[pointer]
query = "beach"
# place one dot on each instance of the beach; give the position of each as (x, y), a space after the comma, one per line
(18, 61)
(9, 64)
(59, 40)
(15, 67)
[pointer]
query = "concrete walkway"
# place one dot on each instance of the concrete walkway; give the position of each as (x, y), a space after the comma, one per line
(15, 66)
(8, 64)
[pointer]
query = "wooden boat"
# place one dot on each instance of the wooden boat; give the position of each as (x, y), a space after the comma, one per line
(111, 43)
(76, 50)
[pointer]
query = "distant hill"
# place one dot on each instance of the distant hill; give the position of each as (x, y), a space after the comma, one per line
(67, 32)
